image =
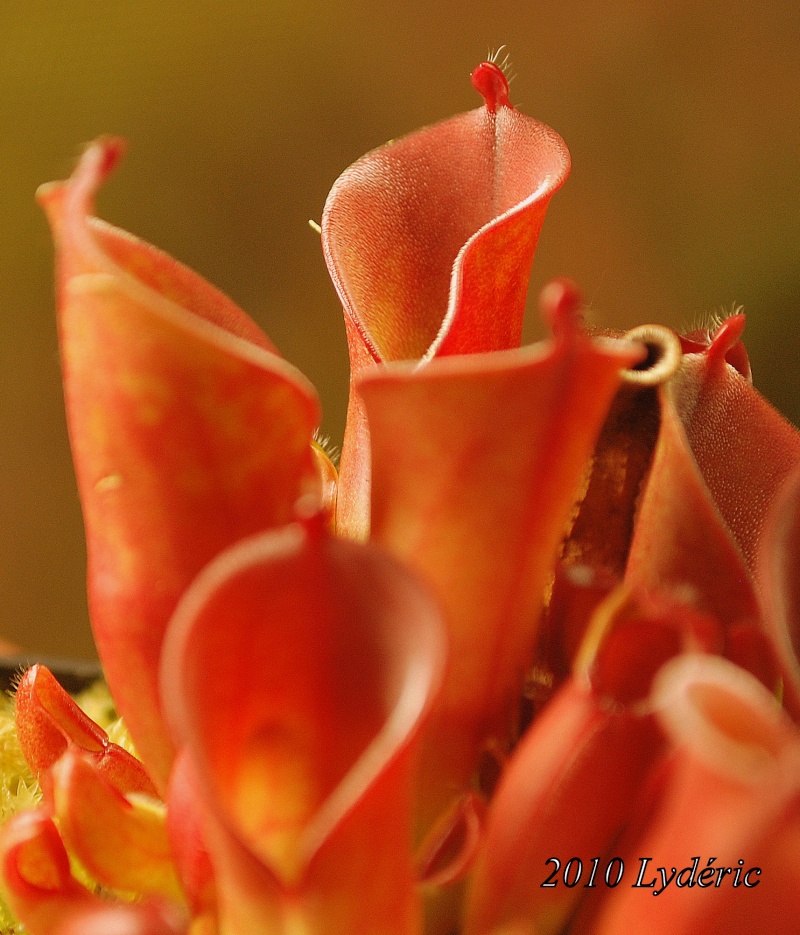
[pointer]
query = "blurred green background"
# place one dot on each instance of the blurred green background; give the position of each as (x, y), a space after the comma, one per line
(683, 120)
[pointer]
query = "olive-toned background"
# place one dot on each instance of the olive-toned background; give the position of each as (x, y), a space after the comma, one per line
(683, 120)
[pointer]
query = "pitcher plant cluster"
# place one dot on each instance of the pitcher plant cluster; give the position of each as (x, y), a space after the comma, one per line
(527, 664)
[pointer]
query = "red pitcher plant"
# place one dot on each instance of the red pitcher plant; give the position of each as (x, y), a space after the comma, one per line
(527, 665)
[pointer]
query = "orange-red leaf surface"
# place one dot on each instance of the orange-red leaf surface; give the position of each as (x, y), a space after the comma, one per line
(299, 670)
(49, 723)
(680, 541)
(732, 798)
(722, 455)
(36, 878)
(743, 447)
(779, 577)
(721, 458)
(121, 840)
(476, 463)
(186, 813)
(145, 918)
(569, 785)
(429, 241)
(188, 432)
